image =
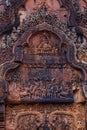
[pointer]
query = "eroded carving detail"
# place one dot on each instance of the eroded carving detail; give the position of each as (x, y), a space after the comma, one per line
(62, 122)
(53, 117)
(33, 122)
(45, 74)
(45, 66)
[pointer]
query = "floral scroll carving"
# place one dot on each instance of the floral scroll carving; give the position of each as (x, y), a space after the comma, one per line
(31, 121)
(62, 122)
(50, 116)
(34, 122)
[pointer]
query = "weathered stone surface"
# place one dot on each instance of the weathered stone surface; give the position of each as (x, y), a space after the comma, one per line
(33, 117)
(43, 64)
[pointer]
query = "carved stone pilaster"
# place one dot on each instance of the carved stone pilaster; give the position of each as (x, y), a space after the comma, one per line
(2, 116)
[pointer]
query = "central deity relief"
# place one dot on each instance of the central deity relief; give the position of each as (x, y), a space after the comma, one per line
(45, 74)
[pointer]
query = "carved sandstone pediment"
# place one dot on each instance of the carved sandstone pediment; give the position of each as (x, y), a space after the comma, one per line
(46, 69)
(42, 83)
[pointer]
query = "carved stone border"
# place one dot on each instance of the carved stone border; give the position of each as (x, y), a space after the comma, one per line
(18, 56)
(41, 116)
(71, 52)
(50, 116)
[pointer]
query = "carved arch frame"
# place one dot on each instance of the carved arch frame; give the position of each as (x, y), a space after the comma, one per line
(18, 55)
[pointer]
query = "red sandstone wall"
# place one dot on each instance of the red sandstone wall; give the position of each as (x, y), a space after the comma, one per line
(16, 17)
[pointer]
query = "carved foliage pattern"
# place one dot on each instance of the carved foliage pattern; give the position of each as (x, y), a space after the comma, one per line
(52, 117)
(62, 122)
(59, 121)
(29, 122)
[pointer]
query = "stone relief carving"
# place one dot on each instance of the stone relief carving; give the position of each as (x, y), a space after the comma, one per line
(38, 15)
(40, 18)
(53, 117)
(62, 122)
(45, 74)
(73, 14)
(33, 122)
(59, 121)
(41, 59)
(42, 52)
